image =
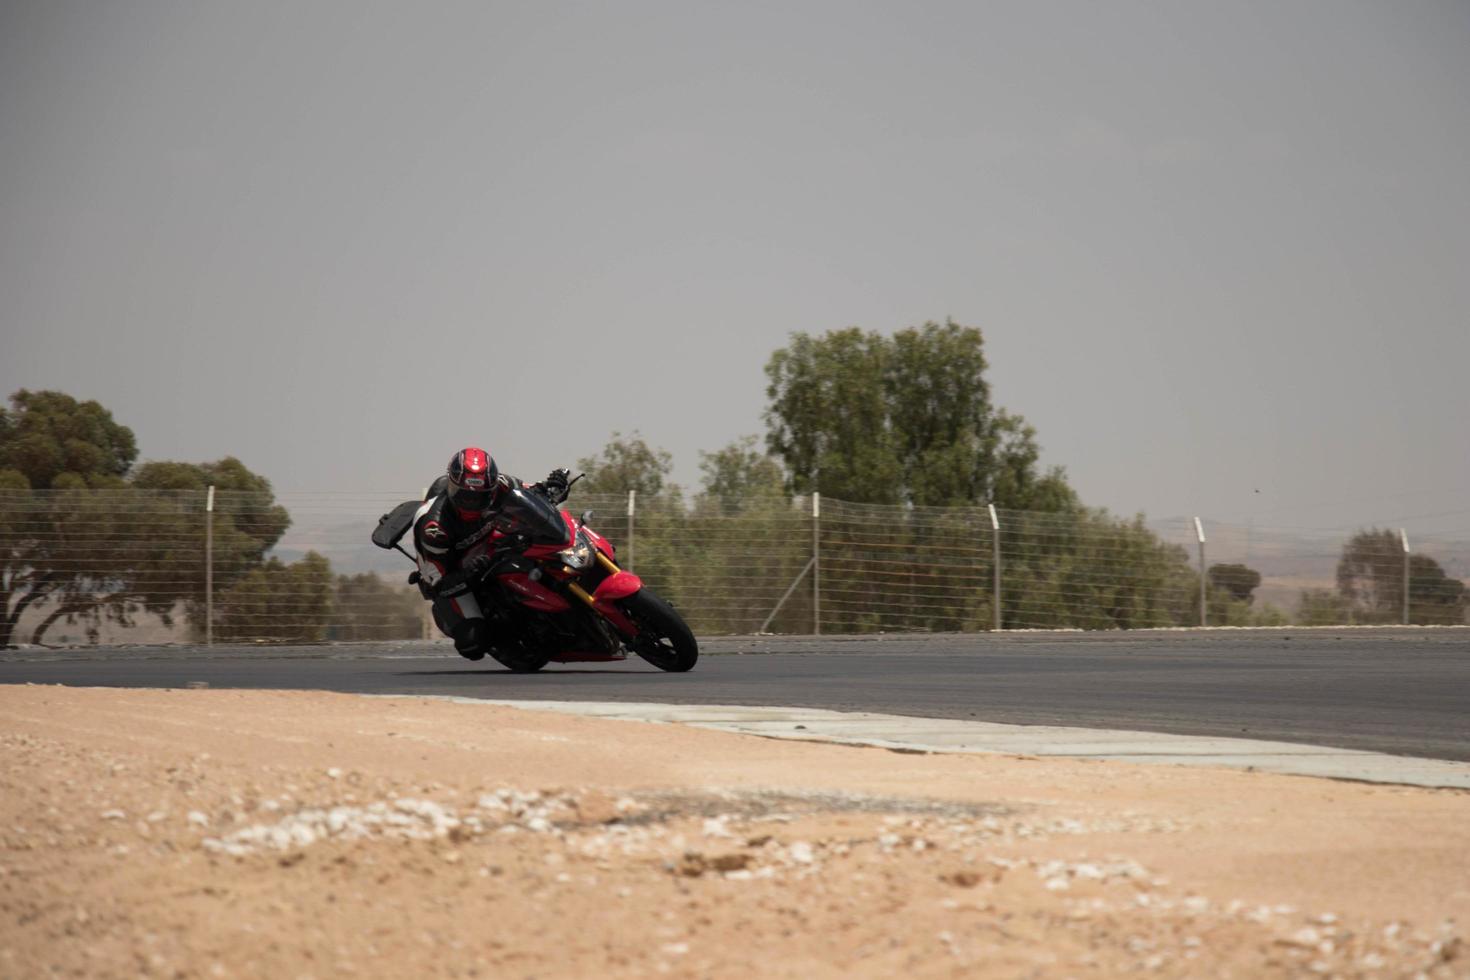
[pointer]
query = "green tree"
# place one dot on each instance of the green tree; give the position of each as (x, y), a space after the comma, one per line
(907, 419)
(1231, 598)
(1370, 581)
(52, 440)
(1321, 607)
(81, 539)
(1370, 576)
(364, 607)
(1088, 569)
(626, 464)
(739, 473)
(1435, 599)
(247, 524)
(278, 602)
(741, 542)
(1239, 581)
(828, 416)
(83, 554)
(1015, 480)
(52, 443)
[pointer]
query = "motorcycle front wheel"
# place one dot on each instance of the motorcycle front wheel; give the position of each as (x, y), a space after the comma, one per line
(663, 638)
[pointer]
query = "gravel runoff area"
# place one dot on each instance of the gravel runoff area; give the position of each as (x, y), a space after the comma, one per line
(205, 833)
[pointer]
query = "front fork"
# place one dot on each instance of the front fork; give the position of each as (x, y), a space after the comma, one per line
(606, 608)
(576, 589)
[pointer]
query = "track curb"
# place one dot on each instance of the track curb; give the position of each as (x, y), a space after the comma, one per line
(906, 734)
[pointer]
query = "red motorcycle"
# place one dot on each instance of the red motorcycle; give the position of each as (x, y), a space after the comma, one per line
(554, 591)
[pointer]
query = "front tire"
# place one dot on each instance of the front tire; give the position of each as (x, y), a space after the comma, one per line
(664, 639)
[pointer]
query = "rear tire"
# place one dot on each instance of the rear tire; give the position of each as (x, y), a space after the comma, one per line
(664, 639)
(519, 663)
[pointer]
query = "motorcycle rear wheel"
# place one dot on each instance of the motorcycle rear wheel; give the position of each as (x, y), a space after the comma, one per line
(519, 663)
(664, 639)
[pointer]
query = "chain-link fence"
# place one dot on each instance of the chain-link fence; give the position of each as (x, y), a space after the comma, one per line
(132, 566)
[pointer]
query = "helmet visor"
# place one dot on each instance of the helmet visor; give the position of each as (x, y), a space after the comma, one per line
(469, 499)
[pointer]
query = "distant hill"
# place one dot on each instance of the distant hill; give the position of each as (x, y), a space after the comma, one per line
(346, 544)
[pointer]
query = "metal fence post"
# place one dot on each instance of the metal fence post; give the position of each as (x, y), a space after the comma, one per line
(816, 563)
(766, 623)
(209, 567)
(632, 497)
(995, 559)
(1404, 537)
(1199, 529)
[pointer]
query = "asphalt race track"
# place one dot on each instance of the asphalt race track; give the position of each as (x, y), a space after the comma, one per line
(1399, 691)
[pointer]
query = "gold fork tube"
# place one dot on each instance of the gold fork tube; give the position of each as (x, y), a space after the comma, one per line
(582, 593)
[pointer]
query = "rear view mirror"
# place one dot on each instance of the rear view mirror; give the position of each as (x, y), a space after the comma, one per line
(394, 524)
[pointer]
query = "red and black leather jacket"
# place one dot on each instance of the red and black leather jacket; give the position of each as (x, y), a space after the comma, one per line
(444, 538)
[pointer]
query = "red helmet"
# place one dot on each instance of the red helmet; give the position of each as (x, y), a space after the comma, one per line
(473, 476)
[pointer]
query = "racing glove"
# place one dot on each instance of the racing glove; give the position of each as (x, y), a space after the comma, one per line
(458, 581)
(556, 485)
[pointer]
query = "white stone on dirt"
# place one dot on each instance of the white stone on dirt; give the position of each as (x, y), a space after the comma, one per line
(401, 817)
(1306, 938)
(717, 826)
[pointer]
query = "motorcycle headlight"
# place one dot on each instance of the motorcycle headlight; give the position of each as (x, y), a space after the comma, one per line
(578, 555)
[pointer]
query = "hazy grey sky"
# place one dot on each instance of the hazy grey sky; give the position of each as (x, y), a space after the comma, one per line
(1215, 247)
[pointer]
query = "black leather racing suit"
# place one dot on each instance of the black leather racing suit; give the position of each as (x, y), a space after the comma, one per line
(446, 541)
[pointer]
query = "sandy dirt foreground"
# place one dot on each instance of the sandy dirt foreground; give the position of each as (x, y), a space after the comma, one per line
(281, 834)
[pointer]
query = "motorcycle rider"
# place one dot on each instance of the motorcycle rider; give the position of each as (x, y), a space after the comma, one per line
(452, 534)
